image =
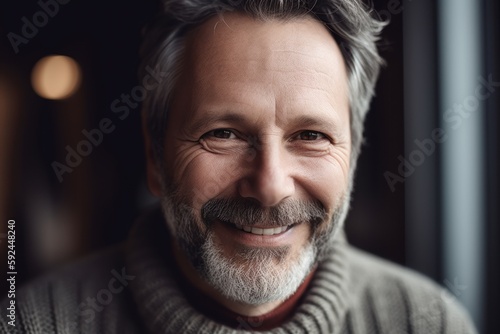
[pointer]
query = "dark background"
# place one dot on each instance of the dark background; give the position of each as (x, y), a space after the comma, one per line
(96, 204)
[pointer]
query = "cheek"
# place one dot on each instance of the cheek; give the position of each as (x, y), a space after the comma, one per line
(202, 176)
(325, 179)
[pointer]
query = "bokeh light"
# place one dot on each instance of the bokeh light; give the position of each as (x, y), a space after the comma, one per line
(55, 77)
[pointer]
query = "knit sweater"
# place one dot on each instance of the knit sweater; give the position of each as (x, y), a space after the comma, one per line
(131, 288)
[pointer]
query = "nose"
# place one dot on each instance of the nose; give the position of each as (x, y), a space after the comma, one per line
(269, 180)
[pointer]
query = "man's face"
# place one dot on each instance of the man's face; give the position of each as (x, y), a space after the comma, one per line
(257, 151)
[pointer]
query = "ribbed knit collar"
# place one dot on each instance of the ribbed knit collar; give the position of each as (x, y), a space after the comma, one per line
(164, 309)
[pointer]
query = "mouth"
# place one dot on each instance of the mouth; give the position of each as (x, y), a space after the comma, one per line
(262, 230)
(257, 236)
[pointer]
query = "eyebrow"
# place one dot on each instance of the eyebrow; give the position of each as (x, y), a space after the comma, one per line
(313, 121)
(319, 122)
(212, 117)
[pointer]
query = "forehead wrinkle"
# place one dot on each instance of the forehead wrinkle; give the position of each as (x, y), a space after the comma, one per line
(221, 49)
(306, 55)
(262, 47)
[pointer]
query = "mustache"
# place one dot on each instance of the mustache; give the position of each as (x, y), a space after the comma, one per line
(248, 212)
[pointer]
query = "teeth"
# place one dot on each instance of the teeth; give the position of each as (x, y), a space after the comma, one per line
(268, 231)
(262, 231)
(256, 230)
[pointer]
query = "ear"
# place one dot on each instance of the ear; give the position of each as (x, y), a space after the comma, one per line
(152, 170)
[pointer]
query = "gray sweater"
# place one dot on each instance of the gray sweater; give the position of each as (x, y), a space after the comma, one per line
(131, 289)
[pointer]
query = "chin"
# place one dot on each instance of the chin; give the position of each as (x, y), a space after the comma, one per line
(255, 276)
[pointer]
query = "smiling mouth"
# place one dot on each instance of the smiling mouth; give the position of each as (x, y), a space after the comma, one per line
(263, 231)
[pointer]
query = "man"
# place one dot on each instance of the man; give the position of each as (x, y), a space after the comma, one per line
(252, 139)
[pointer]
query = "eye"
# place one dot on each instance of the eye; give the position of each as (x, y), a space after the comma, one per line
(310, 135)
(221, 134)
(224, 141)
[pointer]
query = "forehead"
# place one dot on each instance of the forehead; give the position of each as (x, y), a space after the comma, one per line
(236, 58)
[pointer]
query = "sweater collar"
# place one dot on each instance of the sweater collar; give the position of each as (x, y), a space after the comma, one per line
(215, 311)
(164, 308)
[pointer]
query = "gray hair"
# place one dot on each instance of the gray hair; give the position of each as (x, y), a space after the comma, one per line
(351, 24)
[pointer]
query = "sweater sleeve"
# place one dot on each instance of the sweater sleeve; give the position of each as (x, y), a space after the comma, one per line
(432, 309)
(89, 296)
(387, 298)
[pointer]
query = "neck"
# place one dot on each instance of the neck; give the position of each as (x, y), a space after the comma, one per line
(190, 273)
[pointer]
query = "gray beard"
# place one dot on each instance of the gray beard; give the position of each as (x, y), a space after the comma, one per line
(252, 276)
(265, 276)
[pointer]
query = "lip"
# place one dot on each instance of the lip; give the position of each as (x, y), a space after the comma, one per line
(229, 232)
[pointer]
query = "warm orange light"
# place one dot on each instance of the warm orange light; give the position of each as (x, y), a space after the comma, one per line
(55, 77)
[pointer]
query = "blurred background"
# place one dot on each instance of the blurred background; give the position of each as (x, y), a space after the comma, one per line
(427, 187)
